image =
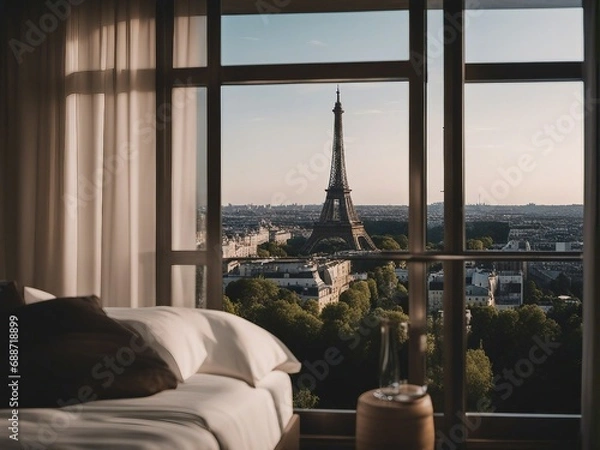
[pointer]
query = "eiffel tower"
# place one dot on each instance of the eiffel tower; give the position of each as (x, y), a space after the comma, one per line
(338, 218)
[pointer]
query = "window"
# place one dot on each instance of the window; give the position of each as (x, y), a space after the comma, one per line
(262, 103)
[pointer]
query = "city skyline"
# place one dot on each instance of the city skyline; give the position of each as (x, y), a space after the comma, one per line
(523, 142)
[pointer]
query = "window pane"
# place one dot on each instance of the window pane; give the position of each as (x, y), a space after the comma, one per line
(524, 35)
(189, 37)
(188, 286)
(524, 336)
(435, 336)
(303, 38)
(523, 160)
(435, 133)
(278, 146)
(189, 177)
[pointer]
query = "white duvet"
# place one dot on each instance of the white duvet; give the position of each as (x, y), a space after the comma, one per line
(205, 412)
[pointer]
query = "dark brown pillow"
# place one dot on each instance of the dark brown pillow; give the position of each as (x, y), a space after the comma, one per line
(10, 295)
(71, 352)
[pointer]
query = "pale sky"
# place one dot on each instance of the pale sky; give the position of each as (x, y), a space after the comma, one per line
(523, 141)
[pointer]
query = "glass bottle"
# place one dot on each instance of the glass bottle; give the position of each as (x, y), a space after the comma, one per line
(392, 385)
(389, 364)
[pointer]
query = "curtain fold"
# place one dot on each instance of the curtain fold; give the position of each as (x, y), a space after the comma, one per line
(79, 152)
(110, 62)
(32, 145)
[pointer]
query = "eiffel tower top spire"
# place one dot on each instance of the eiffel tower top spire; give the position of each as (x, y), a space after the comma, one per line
(338, 178)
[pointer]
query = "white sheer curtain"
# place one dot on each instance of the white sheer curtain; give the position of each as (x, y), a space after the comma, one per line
(110, 152)
(78, 152)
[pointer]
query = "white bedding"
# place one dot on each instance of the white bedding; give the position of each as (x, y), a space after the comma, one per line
(205, 412)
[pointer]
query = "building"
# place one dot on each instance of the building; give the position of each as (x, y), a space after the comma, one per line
(480, 286)
(502, 289)
(279, 236)
(509, 293)
(246, 245)
(563, 247)
(515, 245)
(312, 280)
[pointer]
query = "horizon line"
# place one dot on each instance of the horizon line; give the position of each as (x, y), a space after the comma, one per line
(404, 205)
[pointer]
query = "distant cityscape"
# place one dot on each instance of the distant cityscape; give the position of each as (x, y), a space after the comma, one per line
(248, 230)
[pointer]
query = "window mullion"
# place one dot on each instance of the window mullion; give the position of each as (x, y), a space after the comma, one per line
(454, 220)
(213, 211)
(417, 216)
(164, 65)
(590, 395)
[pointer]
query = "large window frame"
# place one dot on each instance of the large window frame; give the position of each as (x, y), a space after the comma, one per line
(546, 430)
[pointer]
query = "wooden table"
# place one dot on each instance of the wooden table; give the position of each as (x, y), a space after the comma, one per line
(388, 425)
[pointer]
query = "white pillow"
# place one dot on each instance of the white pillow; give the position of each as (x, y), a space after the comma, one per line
(168, 331)
(240, 349)
(207, 341)
(33, 295)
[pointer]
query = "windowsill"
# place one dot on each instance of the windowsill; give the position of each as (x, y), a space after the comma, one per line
(320, 428)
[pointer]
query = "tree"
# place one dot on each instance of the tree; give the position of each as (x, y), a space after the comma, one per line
(294, 245)
(363, 287)
(508, 338)
(229, 306)
(401, 296)
(311, 306)
(561, 285)
(296, 327)
(337, 320)
(401, 290)
(435, 360)
(385, 277)
(498, 231)
(479, 379)
(305, 399)
(262, 253)
(385, 242)
(402, 241)
(332, 245)
(479, 374)
(356, 299)
(487, 241)
(250, 292)
(372, 284)
(475, 244)
(272, 249)
(531, 293)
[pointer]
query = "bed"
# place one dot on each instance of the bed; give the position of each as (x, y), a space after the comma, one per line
(232, 390)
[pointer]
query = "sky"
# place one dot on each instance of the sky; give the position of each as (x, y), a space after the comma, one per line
(523, 142)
